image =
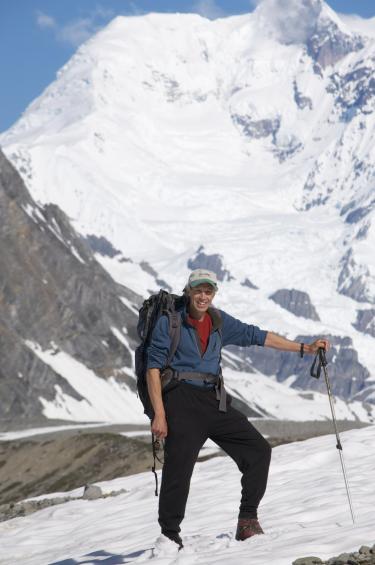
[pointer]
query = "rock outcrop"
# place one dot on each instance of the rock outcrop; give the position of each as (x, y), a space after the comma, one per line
(365, 321)
(213, 262)
(347, 375)
(295, 301)
(53, 294)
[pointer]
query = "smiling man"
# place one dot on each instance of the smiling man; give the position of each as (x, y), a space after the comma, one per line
(191, 405)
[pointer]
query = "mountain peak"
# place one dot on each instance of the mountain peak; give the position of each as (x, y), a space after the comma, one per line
(289, 21)
(309, 22)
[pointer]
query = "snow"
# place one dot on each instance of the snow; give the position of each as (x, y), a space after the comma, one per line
(364, 26)
(104, 400)
(304, 512)
(21, 434)
(282, 402)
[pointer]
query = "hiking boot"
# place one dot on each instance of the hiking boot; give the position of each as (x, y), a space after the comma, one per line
(247, 527)
(174, 536)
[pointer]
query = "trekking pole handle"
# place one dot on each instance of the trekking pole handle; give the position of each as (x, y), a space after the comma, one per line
(322, 357)
(321, 361)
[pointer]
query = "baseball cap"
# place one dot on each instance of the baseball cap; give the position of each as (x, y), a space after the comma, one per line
(200, 276)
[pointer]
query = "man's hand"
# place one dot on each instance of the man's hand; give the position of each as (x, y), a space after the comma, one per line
(159, 426)
(313, 347)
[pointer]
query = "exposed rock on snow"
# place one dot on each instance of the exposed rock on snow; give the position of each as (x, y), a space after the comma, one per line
(355, 280)
(295, 301)
(102, 246)
(212, 262)
(247, 282)
(348, 376)
(329, 44)
(355, 90)
(301, 100)
(364, 556)
(256, 128)
(27, 507)
(151, 271)
(366, 321)
(92, 492)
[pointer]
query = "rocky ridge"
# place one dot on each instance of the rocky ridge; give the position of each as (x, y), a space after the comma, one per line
(54, 296)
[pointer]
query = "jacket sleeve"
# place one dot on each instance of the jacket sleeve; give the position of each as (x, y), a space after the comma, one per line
(158, 350)
(236, 332)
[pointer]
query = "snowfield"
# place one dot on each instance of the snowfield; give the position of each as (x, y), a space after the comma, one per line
(304, 512)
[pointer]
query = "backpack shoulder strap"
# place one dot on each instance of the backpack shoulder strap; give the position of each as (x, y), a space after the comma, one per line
(216, 320)
(174, 333)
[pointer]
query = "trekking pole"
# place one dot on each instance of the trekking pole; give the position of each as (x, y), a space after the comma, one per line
(323, 363)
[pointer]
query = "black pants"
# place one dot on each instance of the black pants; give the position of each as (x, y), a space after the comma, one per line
(193, 417)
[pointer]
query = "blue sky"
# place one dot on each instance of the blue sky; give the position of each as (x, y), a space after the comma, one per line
(38, 36)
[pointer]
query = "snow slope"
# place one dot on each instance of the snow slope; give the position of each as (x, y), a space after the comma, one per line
(304, 512)
(107, 401)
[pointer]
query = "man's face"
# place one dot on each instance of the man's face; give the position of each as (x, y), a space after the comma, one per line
(201, 297)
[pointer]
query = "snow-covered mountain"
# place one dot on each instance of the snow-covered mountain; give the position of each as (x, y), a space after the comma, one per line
(244, 144)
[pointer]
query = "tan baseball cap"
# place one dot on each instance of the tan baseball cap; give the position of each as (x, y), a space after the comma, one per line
(201, 276)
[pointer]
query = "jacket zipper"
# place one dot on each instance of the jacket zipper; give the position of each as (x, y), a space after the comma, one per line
(197, 342)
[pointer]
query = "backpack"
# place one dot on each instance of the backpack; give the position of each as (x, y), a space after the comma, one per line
(155, 306)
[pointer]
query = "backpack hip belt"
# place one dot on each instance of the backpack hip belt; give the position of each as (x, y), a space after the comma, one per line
(217, 380)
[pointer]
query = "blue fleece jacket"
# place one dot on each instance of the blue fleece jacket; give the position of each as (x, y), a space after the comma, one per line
(188, 356)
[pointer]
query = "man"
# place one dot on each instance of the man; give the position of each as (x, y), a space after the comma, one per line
(193, 405)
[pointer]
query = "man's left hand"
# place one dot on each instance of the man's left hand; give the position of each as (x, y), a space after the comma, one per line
(313, 347)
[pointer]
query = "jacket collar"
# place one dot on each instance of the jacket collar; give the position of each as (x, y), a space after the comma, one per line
(214, 314)
(217, 322)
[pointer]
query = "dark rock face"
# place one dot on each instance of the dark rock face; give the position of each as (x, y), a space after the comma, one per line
(359, 213)
(247, 282)
(256, 129)
(288, 150)
(347, 375)
(211, 262)
(53, 293)
(353, 279)
(301, 101)
(151, 271)
(363, 231)
(102, 246)
(295, 301)
(328, 44)
(366, 321)
(354, 91)
(312, 197)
